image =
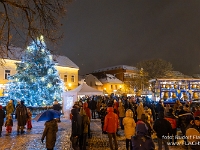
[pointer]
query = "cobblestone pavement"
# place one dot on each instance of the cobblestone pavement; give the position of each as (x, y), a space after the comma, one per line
(31, 139)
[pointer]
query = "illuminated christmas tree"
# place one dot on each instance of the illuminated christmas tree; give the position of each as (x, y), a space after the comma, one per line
(37, 81)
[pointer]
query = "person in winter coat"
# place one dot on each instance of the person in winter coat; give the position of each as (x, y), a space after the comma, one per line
(166, 109)
(21, 116)
(51, 128)
(159, 108)
(129, 128)
(98, 108)
(2, 116)
(121, 111)
(163, 128)
(9, 124)
(115, 106)
(85, 123)
(111, 126)
(88, 113)
(126, 102)
(177, 106)
(144, 118)
(93, 106)
(9, 108)
(103, 113)
(76, 128)
(141, 141)
(173, 121)
(29, 118)
(184, 120)
(140, 111)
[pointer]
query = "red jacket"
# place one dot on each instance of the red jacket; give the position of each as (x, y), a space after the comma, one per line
(87, 110)
(111, 121)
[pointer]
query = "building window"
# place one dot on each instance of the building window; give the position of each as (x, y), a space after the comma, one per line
(7, 74)
(65, 78)
(111, 86)
(116, 87)
(90, 83)
(72, 79)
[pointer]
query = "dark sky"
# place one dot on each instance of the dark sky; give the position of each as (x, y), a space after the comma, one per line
(104, 33)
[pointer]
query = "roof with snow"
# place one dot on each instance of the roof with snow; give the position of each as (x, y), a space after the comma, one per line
(116, 67)
(109, 78)
(16, 53)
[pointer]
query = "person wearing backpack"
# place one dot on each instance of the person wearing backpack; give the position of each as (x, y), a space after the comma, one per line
(141, 141)
(173, 121)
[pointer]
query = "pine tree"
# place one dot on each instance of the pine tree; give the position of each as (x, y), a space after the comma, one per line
(37, 81)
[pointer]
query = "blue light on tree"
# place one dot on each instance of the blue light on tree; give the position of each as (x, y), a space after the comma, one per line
(37, 81)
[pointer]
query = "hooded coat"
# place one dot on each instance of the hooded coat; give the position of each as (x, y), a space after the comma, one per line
(50, 130)
(9, 108)
(141, 141)
(111, 121)
(129, 124)
(21, 115)
(140, 110)
(121, 110)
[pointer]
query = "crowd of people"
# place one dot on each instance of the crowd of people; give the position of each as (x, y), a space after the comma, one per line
(139, 119)
(21, 113)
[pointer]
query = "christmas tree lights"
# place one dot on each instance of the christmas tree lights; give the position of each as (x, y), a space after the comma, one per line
(37, 81)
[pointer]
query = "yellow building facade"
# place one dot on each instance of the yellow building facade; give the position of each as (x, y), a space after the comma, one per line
(67, 70)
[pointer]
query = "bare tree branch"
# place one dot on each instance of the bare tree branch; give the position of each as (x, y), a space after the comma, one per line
(24, 20)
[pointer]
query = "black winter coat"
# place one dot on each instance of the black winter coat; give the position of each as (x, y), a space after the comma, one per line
(184, 121)
(93, 105)
(2, 116)
(162, 127)
(76, 122)
(21, 115)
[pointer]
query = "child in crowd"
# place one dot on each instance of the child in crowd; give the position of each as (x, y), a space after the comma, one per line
(29, 124)
(9, 124)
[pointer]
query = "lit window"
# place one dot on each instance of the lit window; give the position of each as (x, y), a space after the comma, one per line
(65, 78)
(7, 74)
(111, 86)
(72, 79)
(115, 86)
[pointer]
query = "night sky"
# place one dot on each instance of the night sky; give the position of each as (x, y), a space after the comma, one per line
(104, 33)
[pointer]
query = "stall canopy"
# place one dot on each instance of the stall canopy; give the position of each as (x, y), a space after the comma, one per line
(84, 89)
(71, 96)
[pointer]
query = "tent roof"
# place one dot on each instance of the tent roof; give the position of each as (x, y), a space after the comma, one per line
(84, 89)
